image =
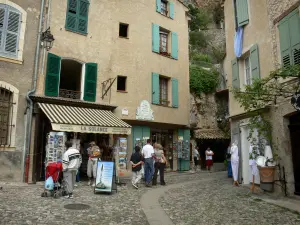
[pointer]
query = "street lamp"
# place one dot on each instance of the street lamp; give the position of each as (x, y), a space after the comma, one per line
(47, 39)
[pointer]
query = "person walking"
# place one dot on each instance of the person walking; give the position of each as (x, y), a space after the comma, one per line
(209, 158)
(94, 153)
(196, 157)
(71, 162)
(136, 161)
(148, 153)
(160, 164)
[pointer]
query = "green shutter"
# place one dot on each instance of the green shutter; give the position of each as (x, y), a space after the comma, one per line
(285, 43)
(52, 75)
(77, 16)
(174, 45)
(158, 6)
(294, 24)
(83, 16)
(155, 88)
(235, 74)
(254, 62)
(180, 132)
(137, 133)
(155, 38)
(242, 12)
(90, 85)
(186, 135)
(146, 132)
(175, 93)
(172, 11)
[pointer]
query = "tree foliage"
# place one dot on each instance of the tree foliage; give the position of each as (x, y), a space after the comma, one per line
(199, 18)
(203, 80)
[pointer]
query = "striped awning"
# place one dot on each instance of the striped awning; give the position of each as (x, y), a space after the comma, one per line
(210, 134)
(84, 120)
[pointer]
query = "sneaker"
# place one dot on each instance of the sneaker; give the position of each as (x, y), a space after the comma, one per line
(89, 183)
(69, 196)
(93, 185)
(75, 185)
(135, 185)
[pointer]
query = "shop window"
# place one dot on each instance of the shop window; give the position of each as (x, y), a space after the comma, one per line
(123, 30)
(163, 91)
(12, 24)
(70, 79)
(121, 83)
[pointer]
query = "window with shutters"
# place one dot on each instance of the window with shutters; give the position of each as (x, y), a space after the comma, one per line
(164, 7)
(289, 37)
(241, 12)
(164, 37)
(10, 26)
(77, 16)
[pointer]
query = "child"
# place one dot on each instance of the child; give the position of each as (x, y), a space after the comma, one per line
(136, 161)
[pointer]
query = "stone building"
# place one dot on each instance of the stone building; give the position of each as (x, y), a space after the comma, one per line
(19, 21)
(117, 69)
(271, 39)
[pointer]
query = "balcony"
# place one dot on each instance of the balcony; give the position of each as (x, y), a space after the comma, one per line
(63, 93)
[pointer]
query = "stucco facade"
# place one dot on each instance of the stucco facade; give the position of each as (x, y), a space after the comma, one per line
(16, 76)
(262, 30)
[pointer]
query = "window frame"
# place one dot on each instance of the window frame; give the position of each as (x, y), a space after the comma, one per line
(164, 90)
(250, 78)
(16, 57)
(164, 12)
(122, 76)
(166, 35)
(127, 30)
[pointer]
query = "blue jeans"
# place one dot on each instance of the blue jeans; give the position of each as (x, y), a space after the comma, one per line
(77, 176)
(149, 170)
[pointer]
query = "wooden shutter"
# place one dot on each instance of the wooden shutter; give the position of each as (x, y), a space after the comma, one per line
(180, 132)
(285, 43)
(2, 19)
(172, 10)
(71, 20)
(90, 86)
(174, 45)
(155, 38)
(235, 74)
(158, 6)
(175, 93)
(242, 12)
(83, 16)
(254, 62)
(294, 25)
(155, 88)
(12, 32)
(52, 75)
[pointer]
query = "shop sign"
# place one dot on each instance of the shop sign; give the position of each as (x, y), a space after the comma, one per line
(125, 112)
(144, 111)
(90, 129)
(104, 177)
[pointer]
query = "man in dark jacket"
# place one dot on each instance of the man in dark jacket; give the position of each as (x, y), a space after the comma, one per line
(136, 161)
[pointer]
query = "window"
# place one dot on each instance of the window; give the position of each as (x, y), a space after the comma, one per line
(5, 116)
(248, 71)
(163, 42)
(77, 16)
(289, 35)
(163, 90)
(164, 7)
(123, 30)
(10, 23)
(121, 83)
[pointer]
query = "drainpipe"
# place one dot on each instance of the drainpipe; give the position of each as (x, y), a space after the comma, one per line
(29, 109)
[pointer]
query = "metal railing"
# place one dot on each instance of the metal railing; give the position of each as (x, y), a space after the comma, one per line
(69, 94)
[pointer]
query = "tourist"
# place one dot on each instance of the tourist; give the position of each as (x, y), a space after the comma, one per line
(136, 161)
(196, 157)
(209, 158)
(234, 151)
(71, 163)
(94, 154)
(160, 164)
(148, 153)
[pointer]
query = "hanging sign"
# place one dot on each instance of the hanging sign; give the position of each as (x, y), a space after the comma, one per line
(104, 176)
(295, 101)
(144, 111)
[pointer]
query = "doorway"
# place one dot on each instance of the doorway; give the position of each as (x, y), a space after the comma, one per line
(295, 145)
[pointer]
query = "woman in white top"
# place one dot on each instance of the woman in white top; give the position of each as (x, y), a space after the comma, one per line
(209, 158)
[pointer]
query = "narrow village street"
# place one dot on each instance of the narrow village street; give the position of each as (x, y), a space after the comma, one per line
(201, 198)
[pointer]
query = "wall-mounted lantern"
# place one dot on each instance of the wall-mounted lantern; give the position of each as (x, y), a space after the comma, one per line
(47, 39)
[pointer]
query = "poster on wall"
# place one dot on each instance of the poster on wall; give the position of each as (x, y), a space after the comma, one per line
(104, 177)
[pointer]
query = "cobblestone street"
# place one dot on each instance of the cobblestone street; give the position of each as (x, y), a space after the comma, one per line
(200, 198)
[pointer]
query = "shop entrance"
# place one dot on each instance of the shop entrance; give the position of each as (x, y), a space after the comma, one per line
(295, 134)
(165, 138)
